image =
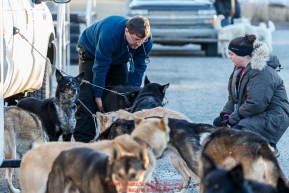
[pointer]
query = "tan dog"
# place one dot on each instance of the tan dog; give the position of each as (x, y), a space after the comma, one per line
(107, 119)
(230, 147)
(37, 163)
(96, 172)
(23, 130)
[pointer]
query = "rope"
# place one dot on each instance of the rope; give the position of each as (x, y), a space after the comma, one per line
(93, 116)
(115, 92)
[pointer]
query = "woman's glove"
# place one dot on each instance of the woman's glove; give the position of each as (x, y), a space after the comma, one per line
(226, 122)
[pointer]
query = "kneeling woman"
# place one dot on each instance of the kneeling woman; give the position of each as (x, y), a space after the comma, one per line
(257, 97)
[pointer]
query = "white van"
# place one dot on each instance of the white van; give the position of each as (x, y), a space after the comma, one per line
(26, 72)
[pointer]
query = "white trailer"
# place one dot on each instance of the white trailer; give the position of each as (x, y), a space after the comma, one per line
(27, 42)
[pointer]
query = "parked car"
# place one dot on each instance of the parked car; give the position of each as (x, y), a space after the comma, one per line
(279, 3)
(179, 22)
(26, 72)
(273, 3)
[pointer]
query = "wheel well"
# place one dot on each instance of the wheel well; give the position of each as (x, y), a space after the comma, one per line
(51, 51)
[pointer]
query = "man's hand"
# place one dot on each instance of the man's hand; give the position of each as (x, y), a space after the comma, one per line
(98, 102)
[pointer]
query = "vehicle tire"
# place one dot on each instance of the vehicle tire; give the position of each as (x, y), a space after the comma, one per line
(211, 49)
(46, 89)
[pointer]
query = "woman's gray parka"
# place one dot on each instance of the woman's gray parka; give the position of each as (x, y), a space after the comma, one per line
(262, 102)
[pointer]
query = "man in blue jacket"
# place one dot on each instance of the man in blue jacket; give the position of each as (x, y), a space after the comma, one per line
(105, 48)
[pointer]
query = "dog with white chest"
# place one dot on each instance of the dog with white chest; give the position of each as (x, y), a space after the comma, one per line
(57, 113)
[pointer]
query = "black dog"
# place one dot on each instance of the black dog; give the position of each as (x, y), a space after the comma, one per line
(219, 180)
(113, 102)
(57, 113)
(150, 96)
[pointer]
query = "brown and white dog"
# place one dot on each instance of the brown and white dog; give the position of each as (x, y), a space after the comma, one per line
(230, 147)
(87, 170)
(37, 163)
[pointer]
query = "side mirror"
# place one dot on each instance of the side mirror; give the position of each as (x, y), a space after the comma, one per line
(56, 1)
(61, 1)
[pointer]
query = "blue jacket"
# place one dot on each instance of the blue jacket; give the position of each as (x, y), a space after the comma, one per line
(106, 41)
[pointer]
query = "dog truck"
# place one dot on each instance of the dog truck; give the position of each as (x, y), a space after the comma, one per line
(28, 47)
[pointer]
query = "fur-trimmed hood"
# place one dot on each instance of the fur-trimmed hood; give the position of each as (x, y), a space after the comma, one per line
(262, 57)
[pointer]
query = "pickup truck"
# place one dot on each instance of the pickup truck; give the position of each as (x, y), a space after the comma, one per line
(179, 22)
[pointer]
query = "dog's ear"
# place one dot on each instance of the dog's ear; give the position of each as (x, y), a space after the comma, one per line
(131, 94)
(164, 123)
(117, 153)
(101, 117)
(80, 77)
(236, 176)
(208, 164)
(165, 87)
(146, 81)
(141, 154)
(58, 75)
(281, 186)
(137, 120)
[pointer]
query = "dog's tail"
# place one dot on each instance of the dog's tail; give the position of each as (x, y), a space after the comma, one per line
(203, 128)
(271, 26)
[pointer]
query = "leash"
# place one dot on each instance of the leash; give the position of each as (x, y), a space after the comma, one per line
(17, 31)
(94, 118)
(113, 91)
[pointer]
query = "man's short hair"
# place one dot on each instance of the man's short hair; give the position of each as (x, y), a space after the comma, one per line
(139, 26)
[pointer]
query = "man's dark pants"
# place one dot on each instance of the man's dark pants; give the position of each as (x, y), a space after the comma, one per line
(117, 75)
